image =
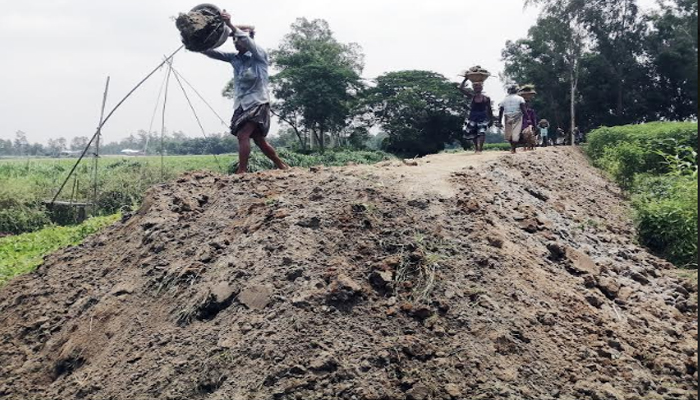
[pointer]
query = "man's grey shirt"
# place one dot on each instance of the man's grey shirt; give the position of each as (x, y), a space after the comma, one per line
(250, 76)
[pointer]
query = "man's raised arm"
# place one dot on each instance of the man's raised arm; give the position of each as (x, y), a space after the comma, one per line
(240, 32)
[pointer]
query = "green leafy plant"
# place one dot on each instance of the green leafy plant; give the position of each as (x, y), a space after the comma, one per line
(23, 253)
(657, 163)
(683, 163)
(667, 216)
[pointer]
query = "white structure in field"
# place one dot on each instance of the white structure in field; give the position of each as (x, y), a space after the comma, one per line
(129, 152)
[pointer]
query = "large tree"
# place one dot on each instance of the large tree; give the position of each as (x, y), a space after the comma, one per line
(21, 143)
(421, 111)
(573, 43)
(616, 74)
(318, 79)
(672, 48)
(78, 143)
(616, 30)
(316, 86)
(546, 59)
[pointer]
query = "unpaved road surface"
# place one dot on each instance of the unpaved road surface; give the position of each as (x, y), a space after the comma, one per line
(489, 277)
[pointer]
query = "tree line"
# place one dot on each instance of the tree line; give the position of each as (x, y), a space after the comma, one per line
(176, 143)
(594, 64)
(606, 63)
(602, 63)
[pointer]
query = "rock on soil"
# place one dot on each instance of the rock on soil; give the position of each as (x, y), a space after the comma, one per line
(226, 287)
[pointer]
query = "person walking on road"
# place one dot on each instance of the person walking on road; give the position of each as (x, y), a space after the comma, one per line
(544, 132)
(513, 108)
(480, 115)
(251, 118)
(559, 136)
(530, 130)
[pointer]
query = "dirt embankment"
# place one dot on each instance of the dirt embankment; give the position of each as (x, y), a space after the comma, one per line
(511, 278)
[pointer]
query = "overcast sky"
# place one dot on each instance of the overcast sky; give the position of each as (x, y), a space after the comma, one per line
(57, 54)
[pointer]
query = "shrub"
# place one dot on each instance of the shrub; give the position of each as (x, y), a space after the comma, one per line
(624, 161)
(601, 139)
(20, 208)
(667, 216)
(496, 146)
(657, 162)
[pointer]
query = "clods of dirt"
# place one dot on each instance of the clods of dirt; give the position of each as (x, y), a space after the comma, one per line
(245, 288)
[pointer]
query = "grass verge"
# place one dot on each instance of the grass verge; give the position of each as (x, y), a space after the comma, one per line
(657, 164)
(23, 253)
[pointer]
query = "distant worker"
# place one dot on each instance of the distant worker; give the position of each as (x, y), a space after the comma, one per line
(560, 135)
(544, 132)
(480, 115)
(513, 108)
(530, 127)
(251, 118)
(577, 135)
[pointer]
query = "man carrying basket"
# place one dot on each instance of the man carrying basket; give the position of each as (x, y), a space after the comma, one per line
(251, 118)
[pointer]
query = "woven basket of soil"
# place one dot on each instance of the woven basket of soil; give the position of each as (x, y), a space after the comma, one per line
(527, 92)
(476, 74)
(202, 28)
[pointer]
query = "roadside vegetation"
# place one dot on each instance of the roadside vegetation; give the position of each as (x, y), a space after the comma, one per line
(20, 254)
(657, 164)
(338, 157)
(25, 184)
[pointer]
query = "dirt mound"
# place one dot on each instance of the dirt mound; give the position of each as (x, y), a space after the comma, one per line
(520, 282)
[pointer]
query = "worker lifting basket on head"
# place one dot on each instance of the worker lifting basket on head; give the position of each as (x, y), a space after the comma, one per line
(205, 28)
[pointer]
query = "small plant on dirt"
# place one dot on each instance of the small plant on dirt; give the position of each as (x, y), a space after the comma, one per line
(419, 263)
(272, 202)
(591, 223)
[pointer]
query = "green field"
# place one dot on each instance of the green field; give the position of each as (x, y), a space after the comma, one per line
(20, 254)
(122, 181)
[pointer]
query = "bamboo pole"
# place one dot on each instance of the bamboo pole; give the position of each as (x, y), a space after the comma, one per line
(107, 118)
(97, 150)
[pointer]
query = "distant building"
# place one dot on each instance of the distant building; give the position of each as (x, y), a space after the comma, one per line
(129, 152)
(70, 153)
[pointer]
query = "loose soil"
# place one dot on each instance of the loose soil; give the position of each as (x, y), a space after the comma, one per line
(465, 277)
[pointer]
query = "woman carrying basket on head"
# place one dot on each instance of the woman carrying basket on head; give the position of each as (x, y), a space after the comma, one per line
(530, 129)
(480, 112)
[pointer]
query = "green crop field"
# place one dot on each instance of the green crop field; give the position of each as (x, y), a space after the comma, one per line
(122, 181)
(25, 184)
(22, 253)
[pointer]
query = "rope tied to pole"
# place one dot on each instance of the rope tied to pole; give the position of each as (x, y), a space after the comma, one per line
(99, 128)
